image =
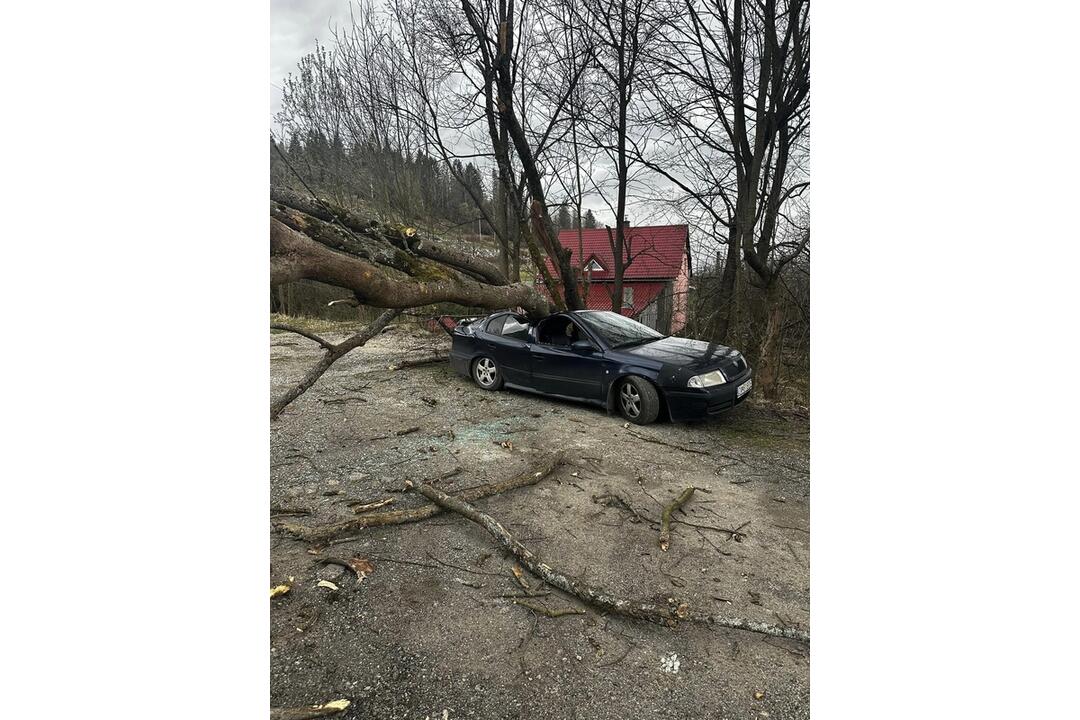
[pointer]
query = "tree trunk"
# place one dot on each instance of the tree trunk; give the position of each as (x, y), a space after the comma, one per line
(728, 297)
(769, 361)
(616, 253)
(295, 256)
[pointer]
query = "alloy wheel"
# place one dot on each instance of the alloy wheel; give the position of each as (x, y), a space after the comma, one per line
(485, 372)
(630, 399)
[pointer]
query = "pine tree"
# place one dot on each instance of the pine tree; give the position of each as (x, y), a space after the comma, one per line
(564, 220)
(590, 219)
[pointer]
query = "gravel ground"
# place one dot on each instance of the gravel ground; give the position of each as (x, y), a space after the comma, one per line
(426, 634)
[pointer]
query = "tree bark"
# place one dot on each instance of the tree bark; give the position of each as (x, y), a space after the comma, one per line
(769, 360)
(418, 243)
(295, 256)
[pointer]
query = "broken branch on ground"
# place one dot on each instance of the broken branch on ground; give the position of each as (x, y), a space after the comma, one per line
(324, 533)
(665, 517)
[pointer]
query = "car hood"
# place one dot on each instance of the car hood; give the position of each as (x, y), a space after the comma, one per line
(685, 353)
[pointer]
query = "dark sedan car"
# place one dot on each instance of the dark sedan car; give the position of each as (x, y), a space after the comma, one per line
(603, 358)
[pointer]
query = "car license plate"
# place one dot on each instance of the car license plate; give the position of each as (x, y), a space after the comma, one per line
(744, 388)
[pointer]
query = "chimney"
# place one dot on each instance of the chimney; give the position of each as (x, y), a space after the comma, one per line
(625, 222)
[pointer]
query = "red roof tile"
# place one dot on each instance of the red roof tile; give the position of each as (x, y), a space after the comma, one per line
(656, 251)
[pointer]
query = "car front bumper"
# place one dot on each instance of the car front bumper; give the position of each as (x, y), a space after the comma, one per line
(701, 403)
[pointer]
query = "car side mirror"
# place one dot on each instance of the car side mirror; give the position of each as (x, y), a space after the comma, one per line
(583, 347)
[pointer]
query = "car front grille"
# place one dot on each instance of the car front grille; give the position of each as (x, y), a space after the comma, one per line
(735, 368)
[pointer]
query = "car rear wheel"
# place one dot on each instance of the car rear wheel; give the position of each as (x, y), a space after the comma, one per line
(638, 401)
(485, 373)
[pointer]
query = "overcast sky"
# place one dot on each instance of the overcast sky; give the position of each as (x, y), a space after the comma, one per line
(295, 25)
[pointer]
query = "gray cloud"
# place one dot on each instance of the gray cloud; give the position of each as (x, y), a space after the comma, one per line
(295, 25)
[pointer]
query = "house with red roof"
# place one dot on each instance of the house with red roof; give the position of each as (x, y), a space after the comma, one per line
(656, 276)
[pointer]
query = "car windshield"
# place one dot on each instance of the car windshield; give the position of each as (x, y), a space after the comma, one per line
(618, 330)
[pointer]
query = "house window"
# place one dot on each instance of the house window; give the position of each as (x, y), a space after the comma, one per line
(594, 266)
(628, 296)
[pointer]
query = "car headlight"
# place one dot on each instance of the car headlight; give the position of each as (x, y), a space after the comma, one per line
(716, 377)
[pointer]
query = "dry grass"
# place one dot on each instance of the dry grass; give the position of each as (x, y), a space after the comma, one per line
(319, 326)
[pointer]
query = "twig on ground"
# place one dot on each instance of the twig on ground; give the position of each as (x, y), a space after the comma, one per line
(609, 499)
(407, 431)
(548, 612)
(396, 561)
(326, 533)
(276, 511)
(613, 499)
(326, 344)
(359, 507)
(735, 534)
(658, 441)
(462, 568)
(341, 400)
(665, 517)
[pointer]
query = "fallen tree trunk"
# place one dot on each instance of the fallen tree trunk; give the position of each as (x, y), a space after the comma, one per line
(296, 256)
(324, 533)
(333, 354)
(418, 243)
(597, 597)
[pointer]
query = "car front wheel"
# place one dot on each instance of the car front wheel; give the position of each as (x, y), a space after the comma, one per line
(638, 401)
(486, 373)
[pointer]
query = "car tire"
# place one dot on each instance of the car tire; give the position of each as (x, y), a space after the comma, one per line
(637, 400)
(486, 373)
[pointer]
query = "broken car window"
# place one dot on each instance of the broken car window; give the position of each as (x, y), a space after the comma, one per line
(514, 328)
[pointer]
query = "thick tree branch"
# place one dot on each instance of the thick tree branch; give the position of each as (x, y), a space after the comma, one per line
(418, 243)
(295, 256)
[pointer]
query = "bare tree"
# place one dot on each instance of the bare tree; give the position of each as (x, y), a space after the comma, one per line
(498, 34)
(623, 31)
(734, 94)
